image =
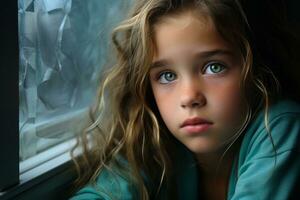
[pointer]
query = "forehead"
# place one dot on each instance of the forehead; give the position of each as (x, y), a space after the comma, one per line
(186, 33)
(183, 17)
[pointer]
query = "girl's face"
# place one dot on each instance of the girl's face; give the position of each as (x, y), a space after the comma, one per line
(195, 78)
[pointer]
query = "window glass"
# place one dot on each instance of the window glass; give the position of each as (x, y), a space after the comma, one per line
(63, 44)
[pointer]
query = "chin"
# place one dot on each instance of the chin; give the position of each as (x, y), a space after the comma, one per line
(204, 148)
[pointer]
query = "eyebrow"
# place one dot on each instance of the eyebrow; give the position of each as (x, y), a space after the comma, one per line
(202, 55)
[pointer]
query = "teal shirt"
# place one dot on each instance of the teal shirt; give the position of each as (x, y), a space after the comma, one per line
(254, 174)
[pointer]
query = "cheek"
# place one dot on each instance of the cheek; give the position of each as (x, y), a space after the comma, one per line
(162, 100)
(228, 103)
(165, 103)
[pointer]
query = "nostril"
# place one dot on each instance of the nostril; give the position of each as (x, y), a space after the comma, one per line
(195, 104)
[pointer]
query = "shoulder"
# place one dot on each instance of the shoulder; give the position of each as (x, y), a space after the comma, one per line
(284, 107)
(268, 163)
(280, 109)
(283, 130)
(110, 184)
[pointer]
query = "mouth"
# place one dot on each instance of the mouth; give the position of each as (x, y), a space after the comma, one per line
(195, 125)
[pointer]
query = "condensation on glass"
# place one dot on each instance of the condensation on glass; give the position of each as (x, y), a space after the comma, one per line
(63, 44)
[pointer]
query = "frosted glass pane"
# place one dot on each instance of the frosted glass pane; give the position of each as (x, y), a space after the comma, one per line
(63, 44)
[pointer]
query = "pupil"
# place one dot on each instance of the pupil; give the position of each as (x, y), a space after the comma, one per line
(169, 76)
(215, 68)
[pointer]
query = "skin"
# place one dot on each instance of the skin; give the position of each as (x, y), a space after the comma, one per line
(186, 84)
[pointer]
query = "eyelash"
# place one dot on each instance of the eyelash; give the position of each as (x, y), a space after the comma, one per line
(161, 74)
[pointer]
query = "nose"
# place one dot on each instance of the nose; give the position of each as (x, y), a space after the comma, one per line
(192, 94)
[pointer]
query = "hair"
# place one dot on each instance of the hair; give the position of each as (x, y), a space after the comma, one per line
(125, 121)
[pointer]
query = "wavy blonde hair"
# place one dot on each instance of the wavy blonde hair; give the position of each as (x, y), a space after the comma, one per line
(125, 122)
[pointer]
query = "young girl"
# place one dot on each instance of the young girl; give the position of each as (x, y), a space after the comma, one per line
(192, 108)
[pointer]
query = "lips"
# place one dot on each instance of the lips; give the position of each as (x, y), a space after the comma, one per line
(195, 125)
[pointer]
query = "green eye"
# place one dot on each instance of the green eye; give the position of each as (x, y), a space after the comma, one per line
(214, 68)
(166, 77)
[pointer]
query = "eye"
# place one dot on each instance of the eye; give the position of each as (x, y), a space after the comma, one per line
(166, 77)
(214, 68)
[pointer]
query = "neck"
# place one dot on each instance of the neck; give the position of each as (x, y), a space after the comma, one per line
(215, 164)
(215, 168)
(215, 172)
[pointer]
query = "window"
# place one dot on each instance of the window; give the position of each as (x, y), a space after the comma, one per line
(62, 46)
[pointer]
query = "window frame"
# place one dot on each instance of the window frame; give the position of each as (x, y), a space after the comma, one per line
(9, 143)
(49, 183)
